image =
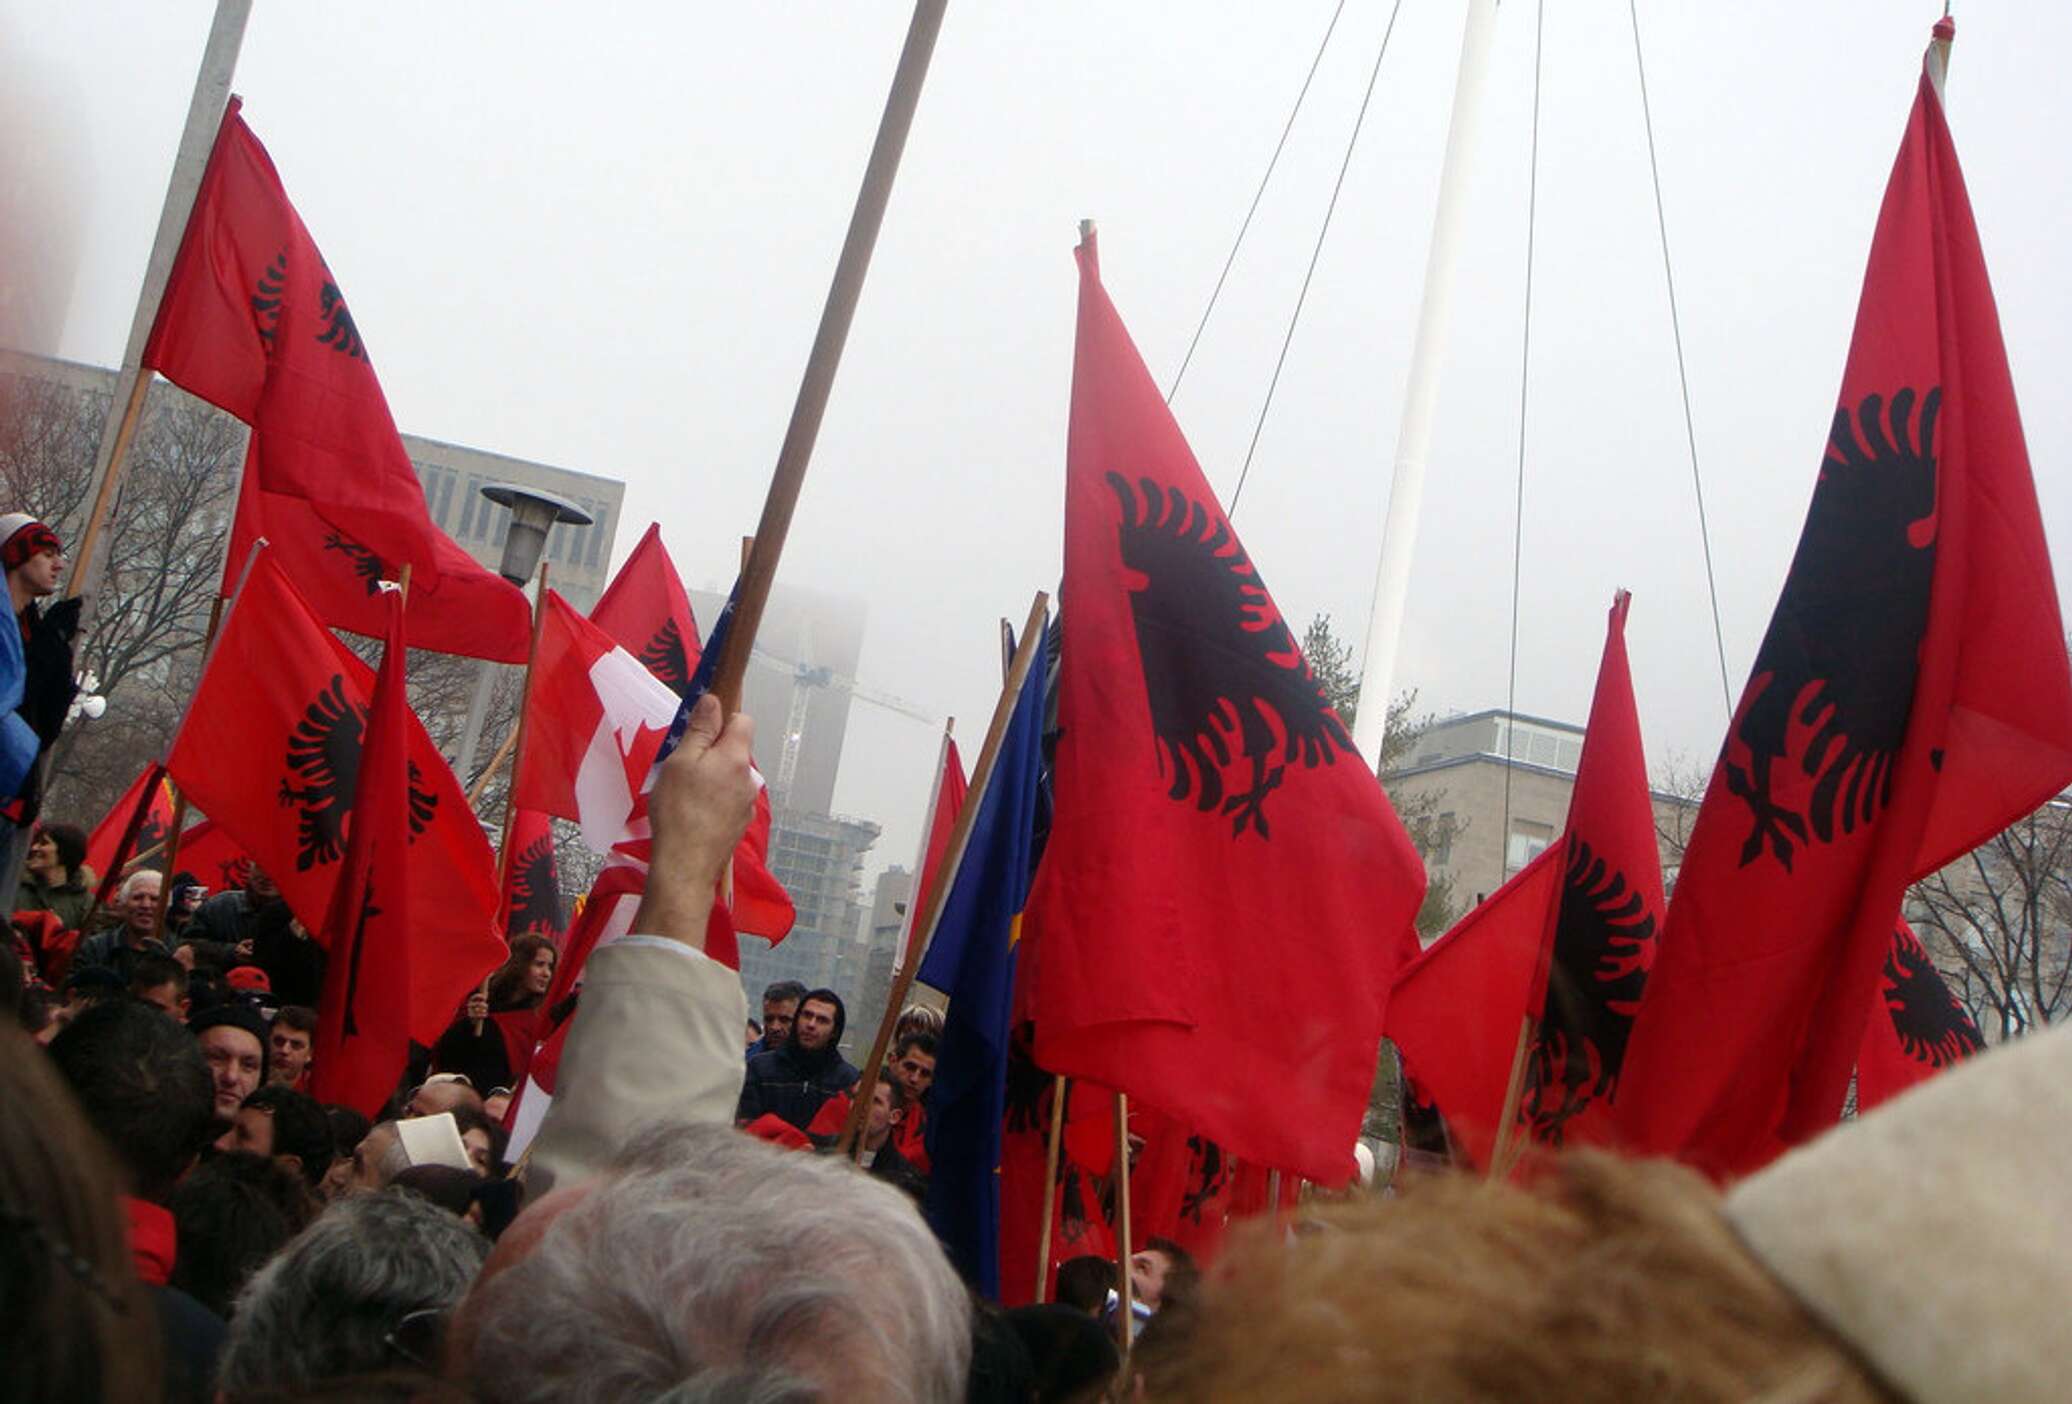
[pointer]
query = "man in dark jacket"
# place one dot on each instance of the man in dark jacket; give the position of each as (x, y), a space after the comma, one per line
(794, 1080)
(144, 1085)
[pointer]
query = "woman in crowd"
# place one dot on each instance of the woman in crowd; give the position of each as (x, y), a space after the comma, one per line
(495, 1033)
(54, 877)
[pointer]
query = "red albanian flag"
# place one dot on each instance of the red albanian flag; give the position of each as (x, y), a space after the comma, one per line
(1226, 894)
(363, 1026)
(1916, 1027)
(1600, 940)
(1458, 1009)
(1568, 942)
(216, 859)
(532, 881)
(647, 610)
(105, 852)
(270, 750)
(1911, 698)
(254, 323)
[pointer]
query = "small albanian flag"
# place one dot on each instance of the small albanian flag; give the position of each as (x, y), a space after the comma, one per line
(532, 882)
(647, 610)
(106, 851)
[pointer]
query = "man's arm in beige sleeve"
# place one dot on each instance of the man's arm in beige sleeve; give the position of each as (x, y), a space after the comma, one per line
(657, 1031)
(656, 1037)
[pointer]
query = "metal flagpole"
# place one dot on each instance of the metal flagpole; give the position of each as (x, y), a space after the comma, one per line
(204, 115)
(1420, 398)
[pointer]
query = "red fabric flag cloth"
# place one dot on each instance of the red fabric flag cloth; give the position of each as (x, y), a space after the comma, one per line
(1916, 1027)
(1568, 941)
(363, 1026)
(216, 859)
(1226, 894)
(461, 608)
(1205, 1201)
(270, 750)
(1601, 933)
(1911, 698)
(532, 882)
(647, 610)
(1158, 1176)
(104, 851)
(253, 322)
(1458, 1009)
(594, 718)
(950, 788)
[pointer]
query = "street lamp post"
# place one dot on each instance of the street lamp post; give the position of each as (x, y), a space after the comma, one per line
(533, 514)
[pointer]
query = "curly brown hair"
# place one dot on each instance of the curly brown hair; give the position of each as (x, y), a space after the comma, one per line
(1607, 1280)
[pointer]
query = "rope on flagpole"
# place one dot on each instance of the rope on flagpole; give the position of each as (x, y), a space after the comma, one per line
(1532, 205)
(1257, 195)
(1683, 374)
(1315, 253)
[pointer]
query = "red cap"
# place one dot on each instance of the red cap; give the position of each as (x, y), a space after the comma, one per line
(247, 977)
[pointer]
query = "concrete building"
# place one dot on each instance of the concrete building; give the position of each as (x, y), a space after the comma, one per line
(819, 859)
(580, 557)
(1460, 764)
(807, 647)
(867, 976)
(452, 477)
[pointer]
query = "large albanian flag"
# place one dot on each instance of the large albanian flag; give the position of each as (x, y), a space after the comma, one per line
(1910, 698)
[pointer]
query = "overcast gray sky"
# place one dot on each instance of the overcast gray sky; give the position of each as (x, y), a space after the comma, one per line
(600, 236)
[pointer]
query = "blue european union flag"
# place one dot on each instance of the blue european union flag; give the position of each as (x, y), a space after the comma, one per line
(972, 959)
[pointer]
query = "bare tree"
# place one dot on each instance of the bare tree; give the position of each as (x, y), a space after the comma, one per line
(1331, 659)
(1998, 923)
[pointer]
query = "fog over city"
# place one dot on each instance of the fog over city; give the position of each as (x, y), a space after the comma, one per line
(600, 237)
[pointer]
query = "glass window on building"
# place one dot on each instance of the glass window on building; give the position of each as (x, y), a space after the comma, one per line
(1528, 841)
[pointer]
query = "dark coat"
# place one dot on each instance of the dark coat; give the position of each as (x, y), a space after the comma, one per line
(793, 1082)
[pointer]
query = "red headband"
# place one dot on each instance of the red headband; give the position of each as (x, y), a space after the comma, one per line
(31, 541)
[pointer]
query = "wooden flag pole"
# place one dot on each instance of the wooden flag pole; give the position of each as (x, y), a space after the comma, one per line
(1050, 1186)
(1501, 1156)
(840, 311)
(1123, 1291)
(953, 859)
(496, 763)
(503, 852)
(204, 115)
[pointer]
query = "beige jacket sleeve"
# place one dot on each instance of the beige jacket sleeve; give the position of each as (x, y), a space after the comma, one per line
(657, 1038)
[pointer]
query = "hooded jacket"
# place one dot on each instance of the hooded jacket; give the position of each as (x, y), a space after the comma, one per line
(792, 1081)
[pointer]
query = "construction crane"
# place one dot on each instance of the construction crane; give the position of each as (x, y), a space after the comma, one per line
(804, 678)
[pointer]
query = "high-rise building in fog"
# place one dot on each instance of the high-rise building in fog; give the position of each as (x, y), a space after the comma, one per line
(819, 859)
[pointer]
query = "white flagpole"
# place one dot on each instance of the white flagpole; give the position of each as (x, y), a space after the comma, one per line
(1434, 321)
(204, 115)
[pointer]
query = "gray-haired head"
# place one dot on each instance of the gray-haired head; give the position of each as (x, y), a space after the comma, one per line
(707, 1265)
(329, 1304)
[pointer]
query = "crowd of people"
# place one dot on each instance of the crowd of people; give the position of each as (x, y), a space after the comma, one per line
(181, 1219)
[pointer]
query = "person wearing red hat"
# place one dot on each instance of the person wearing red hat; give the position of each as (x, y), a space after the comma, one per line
(36, 683)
